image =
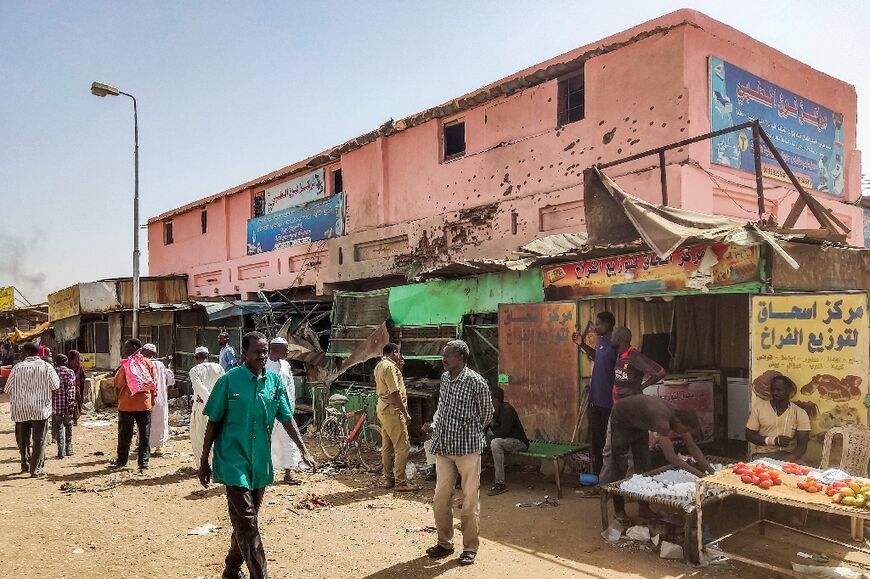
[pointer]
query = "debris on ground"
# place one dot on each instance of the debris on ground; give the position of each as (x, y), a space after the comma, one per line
(312, 502)
(374, 506)
(638, 533)
(427, 529)
(203, 529)
(547, 502)
(95, 423)
(178, 418)
(613, 532)
(86, 487)
(671, 551)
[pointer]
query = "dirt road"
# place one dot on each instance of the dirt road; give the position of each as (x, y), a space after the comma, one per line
(83, 521)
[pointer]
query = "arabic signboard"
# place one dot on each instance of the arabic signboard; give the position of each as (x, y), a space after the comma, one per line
(695, 394)
(64, 303)
(646, 273)
(808, 135)
(7, 298)
(821, 342)
(298, 225)
(295, 192)
(539, 367)
(89, 361)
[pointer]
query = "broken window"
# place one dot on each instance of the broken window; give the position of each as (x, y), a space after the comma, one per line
(203, 220)
(259, 204)
(572, 98)
(454, 140)
(167, 233)
(337, 182)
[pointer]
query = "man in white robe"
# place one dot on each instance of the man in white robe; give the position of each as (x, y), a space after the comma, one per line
(203, 377)
(160, 410)
(285, 454)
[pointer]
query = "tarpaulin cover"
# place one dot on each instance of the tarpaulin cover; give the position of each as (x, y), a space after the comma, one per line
(446, 301)
(221, 310)
(67, 329)
(614, 216)
(17, 337)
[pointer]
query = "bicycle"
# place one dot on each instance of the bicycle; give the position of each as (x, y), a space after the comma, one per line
(336, 439)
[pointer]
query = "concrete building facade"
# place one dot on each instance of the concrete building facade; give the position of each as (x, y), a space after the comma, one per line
(481, 175)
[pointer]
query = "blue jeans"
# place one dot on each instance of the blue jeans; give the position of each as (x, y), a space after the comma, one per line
(61, 429)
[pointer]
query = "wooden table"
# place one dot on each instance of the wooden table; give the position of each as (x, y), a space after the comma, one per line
(785, 494)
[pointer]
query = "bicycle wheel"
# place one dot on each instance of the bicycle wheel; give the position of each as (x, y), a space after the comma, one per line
(333, 437)
(369, 445)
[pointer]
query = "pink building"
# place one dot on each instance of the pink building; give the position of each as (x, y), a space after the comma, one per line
(478, 176)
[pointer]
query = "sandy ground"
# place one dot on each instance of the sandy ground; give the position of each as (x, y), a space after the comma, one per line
(85, 521)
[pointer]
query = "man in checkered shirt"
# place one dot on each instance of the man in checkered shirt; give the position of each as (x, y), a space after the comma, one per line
(458, 427)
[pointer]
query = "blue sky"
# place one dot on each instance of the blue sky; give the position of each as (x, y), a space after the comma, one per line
(229, 91)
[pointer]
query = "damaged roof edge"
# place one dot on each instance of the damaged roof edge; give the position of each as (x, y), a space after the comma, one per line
(508, 86)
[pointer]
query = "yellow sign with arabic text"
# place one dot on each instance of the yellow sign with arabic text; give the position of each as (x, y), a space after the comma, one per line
(89, 361)
(821, 342)
(7, 298)
(64, 303)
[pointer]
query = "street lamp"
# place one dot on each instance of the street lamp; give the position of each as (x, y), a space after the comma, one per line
(100, 89)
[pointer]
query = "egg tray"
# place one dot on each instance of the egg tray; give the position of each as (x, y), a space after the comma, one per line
(613, 488)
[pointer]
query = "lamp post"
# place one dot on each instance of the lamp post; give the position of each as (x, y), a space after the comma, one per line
(100, 89)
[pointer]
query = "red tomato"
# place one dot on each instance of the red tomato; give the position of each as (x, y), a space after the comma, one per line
(765, 484)
(777, 481)
(805, 471)
(774, 474)
(764, 476)
(746, 478)
(812, 489)
(802, 485)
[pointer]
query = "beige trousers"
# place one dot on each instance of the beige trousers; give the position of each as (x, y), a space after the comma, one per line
(395, 444)
(447, 468)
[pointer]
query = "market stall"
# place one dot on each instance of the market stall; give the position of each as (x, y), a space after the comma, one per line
(788, 493)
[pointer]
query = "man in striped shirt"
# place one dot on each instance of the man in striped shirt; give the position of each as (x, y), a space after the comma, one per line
(29, 388)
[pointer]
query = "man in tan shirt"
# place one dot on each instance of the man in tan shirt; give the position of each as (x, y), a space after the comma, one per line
(394, 418)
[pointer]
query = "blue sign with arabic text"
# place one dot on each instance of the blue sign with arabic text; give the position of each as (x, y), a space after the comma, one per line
(808, 135)
(297, 225)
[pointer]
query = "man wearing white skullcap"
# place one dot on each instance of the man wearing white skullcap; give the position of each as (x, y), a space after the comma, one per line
(203, 377)
(285, 454)
(160, 411)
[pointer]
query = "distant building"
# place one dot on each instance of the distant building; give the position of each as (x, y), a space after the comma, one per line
(478, 176)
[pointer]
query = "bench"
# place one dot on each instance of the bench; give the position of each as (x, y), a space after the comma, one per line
(554, 451)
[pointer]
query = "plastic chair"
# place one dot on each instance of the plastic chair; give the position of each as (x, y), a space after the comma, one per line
(856, 449)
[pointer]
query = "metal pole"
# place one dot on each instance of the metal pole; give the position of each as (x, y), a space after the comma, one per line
(759, 184)
(135, 329)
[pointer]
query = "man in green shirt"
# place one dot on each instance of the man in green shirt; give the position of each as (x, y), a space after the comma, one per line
(242, 407)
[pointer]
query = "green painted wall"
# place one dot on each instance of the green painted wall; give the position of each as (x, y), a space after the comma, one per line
(446, 301)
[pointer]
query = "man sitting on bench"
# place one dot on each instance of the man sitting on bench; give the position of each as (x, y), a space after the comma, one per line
(506, 435)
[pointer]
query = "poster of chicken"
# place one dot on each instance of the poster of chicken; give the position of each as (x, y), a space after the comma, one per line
(821, 342)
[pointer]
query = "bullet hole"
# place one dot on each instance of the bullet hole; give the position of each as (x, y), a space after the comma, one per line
(680, 118)
(528, 174)
(550, 99)
(608, 136)
(524, 182)
(680, 150)
(634, 142)
(601, 123)
(664, 125)
(532, 151)
(651, 108)
(618, 151)
(572, 152)
(561, 163)
(683, 130)
(651, 123)
(590, 148)
(542, 168)
(688, 121)
(599, 158)
(507, 191)
(569, 147)
(625, 119)
(539, 180)
(634, 122)
(551, 166)
(679, 97)
(469, 180)
(506, 178)
(448, 186)
(558, 133)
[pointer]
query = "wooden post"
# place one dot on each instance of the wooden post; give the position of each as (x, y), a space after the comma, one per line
(664, 177)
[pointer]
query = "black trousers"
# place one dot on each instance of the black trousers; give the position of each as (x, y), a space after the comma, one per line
(142, 419)
(598, 419)
(32, 457)
(623, 440)
(245, 545)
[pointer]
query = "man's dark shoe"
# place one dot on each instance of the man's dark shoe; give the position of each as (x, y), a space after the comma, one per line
(234, 574)
(497, 489)
(438, 551)
(467, 558)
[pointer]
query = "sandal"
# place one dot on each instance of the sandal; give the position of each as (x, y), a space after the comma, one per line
(467, 557)
(497, 489)
(438, 551)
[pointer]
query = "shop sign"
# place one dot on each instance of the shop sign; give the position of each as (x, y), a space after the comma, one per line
(298, 225)
(89, 361)
(65, 303)
(646, 273)
(808, 135)
(821, 342)
(295, 192)
(7, 298)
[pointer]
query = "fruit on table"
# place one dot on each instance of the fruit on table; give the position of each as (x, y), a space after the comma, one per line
(792, 468)
(757, 474)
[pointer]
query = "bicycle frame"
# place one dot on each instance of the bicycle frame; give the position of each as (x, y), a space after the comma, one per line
(363, 414)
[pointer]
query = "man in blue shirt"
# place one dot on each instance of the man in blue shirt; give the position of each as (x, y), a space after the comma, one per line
(228, 355)
(603, 357)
